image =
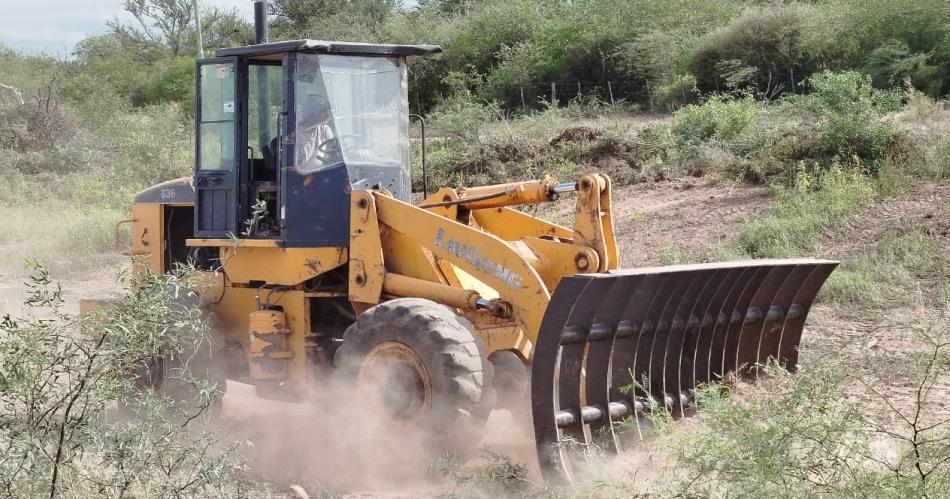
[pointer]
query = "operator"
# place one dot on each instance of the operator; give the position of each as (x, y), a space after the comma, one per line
(317, 144)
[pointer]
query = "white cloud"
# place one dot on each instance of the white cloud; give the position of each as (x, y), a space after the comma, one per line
(54, 26)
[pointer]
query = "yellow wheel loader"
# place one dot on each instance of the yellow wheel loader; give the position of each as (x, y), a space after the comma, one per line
(299, 211)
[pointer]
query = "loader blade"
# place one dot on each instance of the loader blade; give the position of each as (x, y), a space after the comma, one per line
(612, 345)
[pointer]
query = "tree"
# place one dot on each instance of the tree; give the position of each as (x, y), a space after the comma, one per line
(161, 22)
(225, 28)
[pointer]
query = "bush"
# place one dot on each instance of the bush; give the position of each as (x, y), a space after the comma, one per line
(842, 117)
(760, 52)
(674, 93)
(174, 83)
(724, 121)
(722, 135)
(799, 435)
(892, 63)
(817, 202)
(61, 377)
(870, 280)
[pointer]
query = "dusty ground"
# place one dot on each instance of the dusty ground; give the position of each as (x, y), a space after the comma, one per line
(654, 223)
(871, 341)
(84, 285)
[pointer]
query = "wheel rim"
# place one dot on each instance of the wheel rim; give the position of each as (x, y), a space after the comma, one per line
(395, 377)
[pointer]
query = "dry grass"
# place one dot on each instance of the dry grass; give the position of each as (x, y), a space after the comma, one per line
(67, 239)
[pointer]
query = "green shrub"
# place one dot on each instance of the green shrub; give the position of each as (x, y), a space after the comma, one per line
(759, 52)
(721, 135)
(717, 119)
(800, 435)
(842, 117)
(892, 63)
(62, 377)
(817, 202)
(463, 120)
(937, 160)
(899, 260)
(174, 83)
(674, 93)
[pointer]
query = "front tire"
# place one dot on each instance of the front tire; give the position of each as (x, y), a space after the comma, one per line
(424, 367)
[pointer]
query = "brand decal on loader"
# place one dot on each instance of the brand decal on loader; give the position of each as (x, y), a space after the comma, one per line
(473, 255)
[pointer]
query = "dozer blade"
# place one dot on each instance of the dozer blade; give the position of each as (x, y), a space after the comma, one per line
(614, 345)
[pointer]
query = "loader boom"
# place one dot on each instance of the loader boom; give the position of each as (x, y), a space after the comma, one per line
(521, 273)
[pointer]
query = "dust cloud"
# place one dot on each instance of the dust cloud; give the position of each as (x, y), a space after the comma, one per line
(337, 444)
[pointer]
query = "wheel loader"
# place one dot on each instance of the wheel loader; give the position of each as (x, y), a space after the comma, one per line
(300, 212)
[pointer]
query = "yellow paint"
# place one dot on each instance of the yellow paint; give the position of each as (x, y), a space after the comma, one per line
(444, 253)
(400, 285)
(555, 260)
(268, 354)
(501, 335)
(366, 251)
(148, 238)
(589, 219)
(480, 254)
(234, 312)
(443, 195)
(513, 194)
(465, 280)
(511, 224)
(405, 256)
(607, 222)
(281, 266)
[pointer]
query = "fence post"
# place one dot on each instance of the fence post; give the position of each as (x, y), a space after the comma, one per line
(554, 93)
(578, 89)
(650, 96)
(611, 91)
(522, 97)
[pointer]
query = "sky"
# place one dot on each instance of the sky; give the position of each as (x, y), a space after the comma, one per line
(54, 26)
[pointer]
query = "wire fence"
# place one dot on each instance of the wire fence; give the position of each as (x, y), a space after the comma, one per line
(562, 93)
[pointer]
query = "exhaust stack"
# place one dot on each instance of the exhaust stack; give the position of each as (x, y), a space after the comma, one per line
(260, 21)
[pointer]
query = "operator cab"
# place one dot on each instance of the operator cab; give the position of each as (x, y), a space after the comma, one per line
(286, 130)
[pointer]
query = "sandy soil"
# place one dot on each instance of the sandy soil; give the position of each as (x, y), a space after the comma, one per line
(85, 285)
(684, 215)
(878, 346)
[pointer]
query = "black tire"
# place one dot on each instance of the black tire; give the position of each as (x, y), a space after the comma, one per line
(460, 393)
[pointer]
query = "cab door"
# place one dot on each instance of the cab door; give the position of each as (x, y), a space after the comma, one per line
(217, 178)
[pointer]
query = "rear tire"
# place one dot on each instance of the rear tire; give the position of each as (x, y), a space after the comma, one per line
(424, 366)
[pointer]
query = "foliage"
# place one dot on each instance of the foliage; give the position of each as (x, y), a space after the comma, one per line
(900, 259)
(842, 117)
(818, 200)
(717, 119)
(674, 93)
(760, 52)
(62, 376)
(498, 475)
(174, 83)
(796, 436)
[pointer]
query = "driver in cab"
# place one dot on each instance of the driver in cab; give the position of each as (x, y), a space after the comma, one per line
(317, 144)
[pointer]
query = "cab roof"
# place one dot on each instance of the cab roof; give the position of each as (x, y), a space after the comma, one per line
(328, 47)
